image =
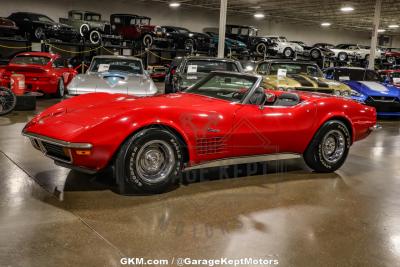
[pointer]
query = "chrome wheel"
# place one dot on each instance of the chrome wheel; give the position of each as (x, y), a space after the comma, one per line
(154, 161)
(287, 52)
(7, 101)
(333, 146)
(61, 88)
(39, 33)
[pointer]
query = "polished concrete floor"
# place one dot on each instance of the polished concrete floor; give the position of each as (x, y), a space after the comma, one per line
(50, 216)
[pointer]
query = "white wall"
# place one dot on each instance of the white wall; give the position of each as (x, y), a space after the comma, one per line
(193, 18)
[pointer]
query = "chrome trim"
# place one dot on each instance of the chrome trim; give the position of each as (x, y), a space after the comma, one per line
(58, 142)
(243, 160)
(376, 127)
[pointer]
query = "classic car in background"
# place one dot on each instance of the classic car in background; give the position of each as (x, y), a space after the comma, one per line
(113, 74)
(371, 91)
(281, 46)
(362, 51)
(150, 141)
(231, 46)
(91, 27)
(391, 55)
(297, 75)
(341, 54)
(315, 52)
(193, 69)
(390, 76)
(157, 73)
(248, 35)
(182, 38)
(8, 28)
(38, 27)
(138, 28)
(43, 72)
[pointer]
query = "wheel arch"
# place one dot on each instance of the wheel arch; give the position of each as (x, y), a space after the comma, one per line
(342, 118)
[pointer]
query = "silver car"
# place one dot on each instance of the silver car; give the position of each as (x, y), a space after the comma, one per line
(113, 74)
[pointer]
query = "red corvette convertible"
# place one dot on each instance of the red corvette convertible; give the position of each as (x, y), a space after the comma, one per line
(226, 118)
(44, 72)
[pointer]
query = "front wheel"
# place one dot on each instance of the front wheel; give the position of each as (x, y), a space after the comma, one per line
(95, 37)
(149, 162)
(342, 57)
(261, 48)
(147, 40)
(60, 88)
(315, 54)
(8, 100)
(288, 52)
(329, 148)
(40, 34)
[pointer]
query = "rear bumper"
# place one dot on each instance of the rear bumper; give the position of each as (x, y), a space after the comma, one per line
(47, 87)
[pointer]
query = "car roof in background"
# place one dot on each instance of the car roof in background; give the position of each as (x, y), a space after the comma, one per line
(118, 57)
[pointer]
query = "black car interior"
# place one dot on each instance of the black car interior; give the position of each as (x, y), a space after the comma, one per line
(285, 100)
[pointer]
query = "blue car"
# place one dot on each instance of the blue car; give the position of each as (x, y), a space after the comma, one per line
(368, 88)
(234, 46)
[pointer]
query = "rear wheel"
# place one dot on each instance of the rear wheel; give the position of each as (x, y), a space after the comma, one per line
(39, 33)
(315, 54)
(261, 48)
(329, 148)
(288, 52)
(189, 44)
(149, 162)
(60, 88)
(8, 100)
(342, 56)
(95, 37)
(147, 40)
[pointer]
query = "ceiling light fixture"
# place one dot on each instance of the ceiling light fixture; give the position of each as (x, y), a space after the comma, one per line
(174, 4)
(259, 15)
(393, 26)
(381, 30)
(347, 9)
(325, 24)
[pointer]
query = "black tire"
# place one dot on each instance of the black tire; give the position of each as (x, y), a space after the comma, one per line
(84, 29)
(342, 56)
(135, 154)
(315, 54)
(261, 48)
(329, 148)
(288, 52)
(147, 40)
(60, 88)
(95, 37)
(39, 34)
(189, 44)
(8, 100)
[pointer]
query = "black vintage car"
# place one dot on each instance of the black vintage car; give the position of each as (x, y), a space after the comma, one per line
(40, 27)
(249, 36)
(8, 28)
(315, 52)
(182, 38)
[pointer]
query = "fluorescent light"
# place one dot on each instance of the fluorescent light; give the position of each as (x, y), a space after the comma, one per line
(393, 26)
(325, 24)
(381, 30)
(259, 15)
(347, 9)
(174, 4)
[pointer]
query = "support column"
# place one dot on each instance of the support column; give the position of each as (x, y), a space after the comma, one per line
(374, 40)
(222, 28)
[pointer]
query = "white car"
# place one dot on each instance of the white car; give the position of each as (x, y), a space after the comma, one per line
(113, 74)
(359, 51)
(281, 46)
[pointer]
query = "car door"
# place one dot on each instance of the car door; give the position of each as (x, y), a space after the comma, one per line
(272, 129)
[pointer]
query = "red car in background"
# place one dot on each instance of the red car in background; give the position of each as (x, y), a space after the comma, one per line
(226, 118)
(391, 55)
(390, 76)
(157, 73)
(138, 28)
(43, 72)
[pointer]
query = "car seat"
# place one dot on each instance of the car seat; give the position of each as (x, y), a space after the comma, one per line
(287, 100)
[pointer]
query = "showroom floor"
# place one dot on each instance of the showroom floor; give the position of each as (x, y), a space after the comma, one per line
(278, 210)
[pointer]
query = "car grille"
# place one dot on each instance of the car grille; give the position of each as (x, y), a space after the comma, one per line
(51, 150)
(384, 103)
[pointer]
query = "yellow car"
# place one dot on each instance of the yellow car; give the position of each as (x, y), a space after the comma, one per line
(297, 75)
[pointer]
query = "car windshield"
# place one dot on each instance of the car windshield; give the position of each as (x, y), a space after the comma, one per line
(130, 66)
(182, 30)
(43, 18)
(293, 69)
(206, 66)
(92, 17)
(356, 75)
(144, 21)
(233, 88)
(32, 60)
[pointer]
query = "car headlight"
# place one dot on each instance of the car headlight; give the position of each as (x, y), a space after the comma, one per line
(355, 93)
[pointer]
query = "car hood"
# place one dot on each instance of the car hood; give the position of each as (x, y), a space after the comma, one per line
(374, 88)
(68, 119)
(303, 81)
(139, 85)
